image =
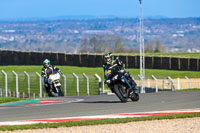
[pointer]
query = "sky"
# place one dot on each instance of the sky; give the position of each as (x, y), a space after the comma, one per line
(12, 9)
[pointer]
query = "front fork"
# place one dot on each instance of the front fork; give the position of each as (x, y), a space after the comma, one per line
(131, 88)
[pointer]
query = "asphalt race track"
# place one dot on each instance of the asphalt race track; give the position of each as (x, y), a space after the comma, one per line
(104, 104)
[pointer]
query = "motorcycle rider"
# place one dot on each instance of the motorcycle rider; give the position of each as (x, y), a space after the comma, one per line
(110, 63)
(45, 73)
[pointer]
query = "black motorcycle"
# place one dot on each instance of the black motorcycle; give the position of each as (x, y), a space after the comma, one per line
(122, 84)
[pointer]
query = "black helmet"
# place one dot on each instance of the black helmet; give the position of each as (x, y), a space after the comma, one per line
(108, 57)
(46, 63)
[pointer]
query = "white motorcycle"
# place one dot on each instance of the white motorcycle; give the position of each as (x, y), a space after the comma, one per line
(55, 84)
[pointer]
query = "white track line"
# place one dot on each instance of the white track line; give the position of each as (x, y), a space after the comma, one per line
(124, 115)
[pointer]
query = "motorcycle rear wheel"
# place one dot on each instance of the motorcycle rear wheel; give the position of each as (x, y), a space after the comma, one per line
(121, 93)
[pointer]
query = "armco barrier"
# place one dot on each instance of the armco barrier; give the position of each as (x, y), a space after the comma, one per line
(89, 60)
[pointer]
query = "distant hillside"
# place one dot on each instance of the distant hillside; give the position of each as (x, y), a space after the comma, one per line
(71, 34)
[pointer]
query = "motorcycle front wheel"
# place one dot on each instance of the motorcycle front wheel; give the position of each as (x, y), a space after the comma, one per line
(120, 92)
(60, 91)
(135, 97)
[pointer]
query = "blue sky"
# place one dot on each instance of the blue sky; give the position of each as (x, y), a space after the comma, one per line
(121, 8)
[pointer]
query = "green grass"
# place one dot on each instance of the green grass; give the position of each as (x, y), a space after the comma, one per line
(71, 81)
(9, 99)
(183, 55)
(183, 90)
(98, 122)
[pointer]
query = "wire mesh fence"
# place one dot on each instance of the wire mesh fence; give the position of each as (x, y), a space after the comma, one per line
(23, 87)
(32, 89)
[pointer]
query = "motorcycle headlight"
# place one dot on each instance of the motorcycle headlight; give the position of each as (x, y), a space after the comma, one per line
(56, 81)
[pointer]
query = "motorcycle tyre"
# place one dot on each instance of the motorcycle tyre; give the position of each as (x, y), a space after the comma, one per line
(60, 91)
(119, 92)
(135, 97)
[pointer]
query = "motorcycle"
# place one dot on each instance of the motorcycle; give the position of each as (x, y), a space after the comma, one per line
(122, 84)
(55, 84)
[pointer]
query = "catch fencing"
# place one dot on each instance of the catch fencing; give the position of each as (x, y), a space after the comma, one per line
(28, 85)
(19, 84)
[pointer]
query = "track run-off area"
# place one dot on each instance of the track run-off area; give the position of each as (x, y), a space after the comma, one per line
(61, 109)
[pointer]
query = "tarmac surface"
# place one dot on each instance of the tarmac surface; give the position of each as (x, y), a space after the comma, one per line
(103, 105)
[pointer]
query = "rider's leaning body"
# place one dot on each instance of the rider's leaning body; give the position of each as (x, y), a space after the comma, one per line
(45, 73)
(117, 64)
(111, 63)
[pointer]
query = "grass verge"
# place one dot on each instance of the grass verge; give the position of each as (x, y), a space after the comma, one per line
(183, 90)
(98, 122)
(9, 99)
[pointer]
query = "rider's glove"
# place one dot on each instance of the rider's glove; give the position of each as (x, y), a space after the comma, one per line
(46, 85)
(107, 81)
(122, 71)
(46, 80)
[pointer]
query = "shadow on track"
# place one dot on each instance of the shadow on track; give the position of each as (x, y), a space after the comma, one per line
(100, 102)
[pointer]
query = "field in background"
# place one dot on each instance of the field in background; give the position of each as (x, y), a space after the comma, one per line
(71, 81)
(185, 55)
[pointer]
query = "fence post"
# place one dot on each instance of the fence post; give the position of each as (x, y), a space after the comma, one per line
(88, 85)
(142, 90)
(1, 92)
(17, 87)
(190, 82)
(156, 82)
(103, 85)
(148, 83)
(65, 84)
(77, 82)
(99, 78)
(172, 82)
(6, 82)
(40, 82)
(29, 88)
(178, 84)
